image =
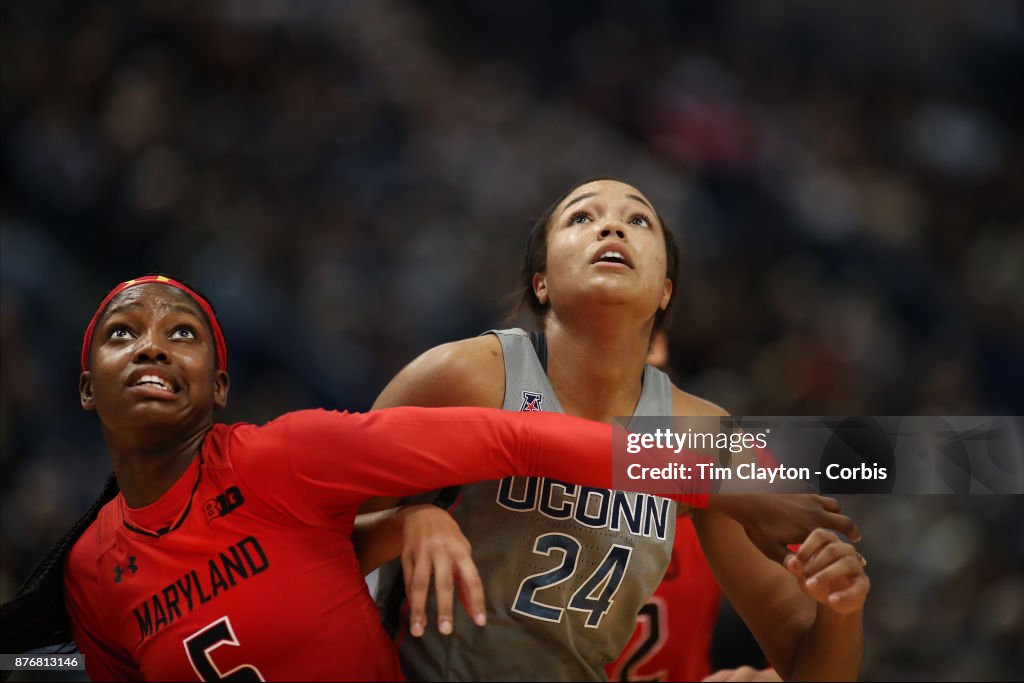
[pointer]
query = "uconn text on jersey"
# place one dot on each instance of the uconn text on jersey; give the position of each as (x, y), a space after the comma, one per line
(640, 513)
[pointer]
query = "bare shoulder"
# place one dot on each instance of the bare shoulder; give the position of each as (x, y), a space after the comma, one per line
(470, 372)
(690, 405)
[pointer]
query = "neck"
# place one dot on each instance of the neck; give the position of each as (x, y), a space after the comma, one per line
(596, 365)
(147, 467)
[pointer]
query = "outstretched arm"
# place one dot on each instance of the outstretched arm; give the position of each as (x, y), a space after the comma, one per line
(343, 459)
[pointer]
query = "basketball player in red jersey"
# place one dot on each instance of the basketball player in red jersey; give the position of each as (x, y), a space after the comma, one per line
(599, 274)
(223, 552)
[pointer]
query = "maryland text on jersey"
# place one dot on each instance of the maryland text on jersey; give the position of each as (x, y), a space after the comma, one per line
(239, 561)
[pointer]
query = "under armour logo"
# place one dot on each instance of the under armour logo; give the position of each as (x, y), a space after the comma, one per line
(130, 567)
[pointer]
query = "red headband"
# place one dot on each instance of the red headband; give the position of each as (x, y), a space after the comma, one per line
(218, 334)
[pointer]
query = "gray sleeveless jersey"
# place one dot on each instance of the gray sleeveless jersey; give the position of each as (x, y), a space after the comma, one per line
(565, 568)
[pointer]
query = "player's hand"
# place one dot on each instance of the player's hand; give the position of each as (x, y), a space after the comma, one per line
(433, 544)
(745, 673)
(830, 571)
(773, 521)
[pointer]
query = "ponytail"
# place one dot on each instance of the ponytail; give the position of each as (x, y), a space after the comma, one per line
(37, 617)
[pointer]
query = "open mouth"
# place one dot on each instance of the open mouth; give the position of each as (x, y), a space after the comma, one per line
(613, 255)
(155, 381)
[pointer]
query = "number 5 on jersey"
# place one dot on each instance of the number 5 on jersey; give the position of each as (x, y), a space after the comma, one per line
(200, 646)
(594, 597)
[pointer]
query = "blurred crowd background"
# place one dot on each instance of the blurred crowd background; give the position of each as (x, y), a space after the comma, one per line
(353, 182)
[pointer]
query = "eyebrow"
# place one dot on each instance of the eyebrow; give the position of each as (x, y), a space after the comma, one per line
(641, 200)
(588, 195)
(180, 308)
(585, 195)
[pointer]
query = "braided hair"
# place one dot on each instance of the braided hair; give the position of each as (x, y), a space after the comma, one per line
(37, 617)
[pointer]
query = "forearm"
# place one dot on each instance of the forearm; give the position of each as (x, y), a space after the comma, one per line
(377, 538)
(831, 649)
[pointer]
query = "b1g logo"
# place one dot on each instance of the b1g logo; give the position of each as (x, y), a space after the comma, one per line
(221, 505)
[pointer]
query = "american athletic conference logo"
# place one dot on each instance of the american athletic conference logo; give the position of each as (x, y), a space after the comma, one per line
(531, 402)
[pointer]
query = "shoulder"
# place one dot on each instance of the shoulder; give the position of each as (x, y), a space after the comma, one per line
(248, 448)
(687, 404)
(470, 372)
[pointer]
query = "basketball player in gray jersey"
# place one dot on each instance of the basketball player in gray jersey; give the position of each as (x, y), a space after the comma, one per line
(565, 568)
(579, 560)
